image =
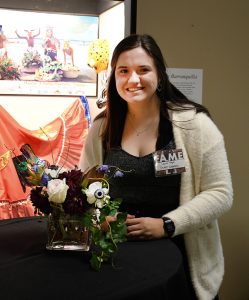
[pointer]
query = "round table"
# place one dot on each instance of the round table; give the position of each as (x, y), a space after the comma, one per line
(143, 269)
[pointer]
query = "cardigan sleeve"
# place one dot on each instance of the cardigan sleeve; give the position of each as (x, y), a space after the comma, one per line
(206, 188)
(92, 153)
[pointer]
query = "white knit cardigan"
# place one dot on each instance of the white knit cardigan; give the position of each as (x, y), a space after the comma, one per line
(205, 194)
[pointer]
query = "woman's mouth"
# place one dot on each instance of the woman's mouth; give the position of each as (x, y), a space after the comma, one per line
(134, 89)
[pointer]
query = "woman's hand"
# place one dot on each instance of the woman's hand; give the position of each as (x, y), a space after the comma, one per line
(144, 228)
(105, 225)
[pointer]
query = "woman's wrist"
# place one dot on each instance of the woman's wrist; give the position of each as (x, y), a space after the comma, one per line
(168, 226)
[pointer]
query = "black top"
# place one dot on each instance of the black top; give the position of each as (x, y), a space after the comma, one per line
(143, 194)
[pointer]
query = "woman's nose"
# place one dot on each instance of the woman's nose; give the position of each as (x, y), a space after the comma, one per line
(134, 77)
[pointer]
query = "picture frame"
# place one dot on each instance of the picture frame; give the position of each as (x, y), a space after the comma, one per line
(45, 53)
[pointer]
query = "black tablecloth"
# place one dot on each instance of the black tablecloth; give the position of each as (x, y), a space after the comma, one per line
(148, 269)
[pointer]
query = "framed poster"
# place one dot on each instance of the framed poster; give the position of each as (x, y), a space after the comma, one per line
(43, 53)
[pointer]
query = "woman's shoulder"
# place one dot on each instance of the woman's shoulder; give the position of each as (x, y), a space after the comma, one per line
(188, 115)
(196, 126)
(97, 126)
(183, 114)
(98, 121)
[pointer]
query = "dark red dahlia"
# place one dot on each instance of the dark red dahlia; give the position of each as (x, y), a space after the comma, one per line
(73, 178)
(39, 198)
(76, 202)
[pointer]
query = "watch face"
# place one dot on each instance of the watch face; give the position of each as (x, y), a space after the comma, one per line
(169, 226)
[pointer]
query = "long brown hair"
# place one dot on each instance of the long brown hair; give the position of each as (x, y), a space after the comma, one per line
(116, 107)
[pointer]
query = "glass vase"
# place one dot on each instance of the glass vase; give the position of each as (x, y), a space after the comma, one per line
(66, 232)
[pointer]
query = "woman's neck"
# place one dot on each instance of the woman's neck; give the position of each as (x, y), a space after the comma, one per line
(141, 128)
(139, 112)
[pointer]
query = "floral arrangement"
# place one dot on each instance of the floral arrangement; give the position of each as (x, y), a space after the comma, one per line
(57, 191)
(32, 58)
(8, 71)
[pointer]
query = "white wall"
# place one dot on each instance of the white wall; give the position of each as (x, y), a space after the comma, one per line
(111, 25)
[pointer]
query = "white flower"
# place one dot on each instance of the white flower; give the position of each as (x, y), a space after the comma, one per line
(99, 203)
(96, 192)
(54, 173)
(97, 212)
(57, 190)
(51, 173)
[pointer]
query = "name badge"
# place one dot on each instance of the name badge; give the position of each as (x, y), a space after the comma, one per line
(168, 162)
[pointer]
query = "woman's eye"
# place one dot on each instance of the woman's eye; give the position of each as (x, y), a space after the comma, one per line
(144, 70)
(123, 71)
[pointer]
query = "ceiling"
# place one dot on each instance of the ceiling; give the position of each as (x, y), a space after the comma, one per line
(86, 7)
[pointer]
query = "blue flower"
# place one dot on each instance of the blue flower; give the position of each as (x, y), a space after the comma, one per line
(44, 179)
(103, 168)
(118, 174)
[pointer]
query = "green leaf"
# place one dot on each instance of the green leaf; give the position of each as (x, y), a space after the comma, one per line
(87, 219)
(96, 261)
(84, 184)
(121, 217)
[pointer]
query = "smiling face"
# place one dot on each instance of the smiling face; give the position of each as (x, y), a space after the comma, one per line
(136, 76)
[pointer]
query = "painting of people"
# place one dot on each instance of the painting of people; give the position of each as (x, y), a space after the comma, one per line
(45, 53)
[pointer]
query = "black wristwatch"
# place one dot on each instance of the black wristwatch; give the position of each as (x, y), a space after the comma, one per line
(169, 226)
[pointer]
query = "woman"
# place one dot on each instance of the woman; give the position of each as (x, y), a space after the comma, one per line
(68, 53)
(51, 44)
(181, 181)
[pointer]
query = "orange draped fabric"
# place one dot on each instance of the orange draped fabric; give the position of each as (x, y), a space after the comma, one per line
(59, 142)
